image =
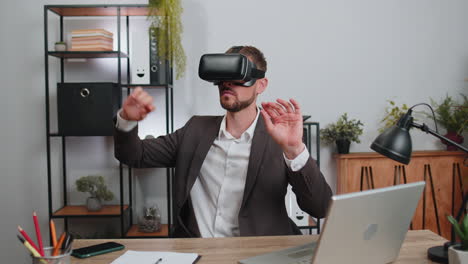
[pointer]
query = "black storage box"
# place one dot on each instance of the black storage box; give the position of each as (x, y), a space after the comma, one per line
(87, 109)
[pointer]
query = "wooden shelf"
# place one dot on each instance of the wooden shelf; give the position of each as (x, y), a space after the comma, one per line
(87, 54)
(163, 232)
(99, 10)
(81, 211)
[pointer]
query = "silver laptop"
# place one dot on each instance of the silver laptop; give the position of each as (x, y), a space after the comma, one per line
(364, 227)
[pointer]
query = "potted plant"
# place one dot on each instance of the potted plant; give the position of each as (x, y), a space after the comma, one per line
(96, 187)
(343, 132)
(452, 115)
(60, 46)
(151, 219)
(458, 253)
(166, 24)
(392, 115)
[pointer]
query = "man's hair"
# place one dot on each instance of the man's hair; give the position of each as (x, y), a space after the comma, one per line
(253, 53)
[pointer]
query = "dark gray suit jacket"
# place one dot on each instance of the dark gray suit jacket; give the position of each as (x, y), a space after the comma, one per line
(263, 210)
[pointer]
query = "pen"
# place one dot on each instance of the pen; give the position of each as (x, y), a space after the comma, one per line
(68, 248)
(30, 241)
(31, 249)
(59, 244)
(52, 233)
(38, 234)
(67, 243)
(158, 261)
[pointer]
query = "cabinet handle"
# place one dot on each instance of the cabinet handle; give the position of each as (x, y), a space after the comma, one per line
(84, 92)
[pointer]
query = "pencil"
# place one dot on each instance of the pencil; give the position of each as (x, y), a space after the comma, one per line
(30, 241)
(59, 244)
(38, 234)
(52, 233)
(31, 249)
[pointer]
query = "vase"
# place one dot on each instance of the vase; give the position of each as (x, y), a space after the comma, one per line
(452, 135)
(457, 256)
(342, 145)
(93, 204)
(150, 221)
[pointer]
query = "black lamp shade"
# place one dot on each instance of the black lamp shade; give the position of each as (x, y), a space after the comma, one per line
(394, 143)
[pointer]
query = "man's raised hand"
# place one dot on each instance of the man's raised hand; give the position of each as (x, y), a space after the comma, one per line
(137, 105)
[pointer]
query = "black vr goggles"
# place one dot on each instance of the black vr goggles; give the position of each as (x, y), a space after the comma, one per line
(232, 67)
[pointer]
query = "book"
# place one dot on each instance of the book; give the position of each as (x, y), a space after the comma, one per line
(92, 42)
(150, 257)
(91, 35)
(88, 49)
(92, 31)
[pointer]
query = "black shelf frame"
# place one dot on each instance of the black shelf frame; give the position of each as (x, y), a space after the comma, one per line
(128, 10)
(308, 136)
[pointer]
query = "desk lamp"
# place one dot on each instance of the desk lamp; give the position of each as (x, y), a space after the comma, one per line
(395, 143)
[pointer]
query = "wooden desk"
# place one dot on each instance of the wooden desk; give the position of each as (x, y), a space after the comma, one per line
(230, 250)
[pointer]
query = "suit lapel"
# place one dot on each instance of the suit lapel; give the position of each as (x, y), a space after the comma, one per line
(209, 135)
(257, 150)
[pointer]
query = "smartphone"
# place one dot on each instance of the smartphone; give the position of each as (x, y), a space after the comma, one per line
(98, 249)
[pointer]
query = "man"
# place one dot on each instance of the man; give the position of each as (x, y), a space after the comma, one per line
(232, 171)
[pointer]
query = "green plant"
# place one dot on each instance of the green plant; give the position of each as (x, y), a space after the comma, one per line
(392, 114)
(95, 186)
(166, 24)
(461, 230)
(451, 114)
(343, 129)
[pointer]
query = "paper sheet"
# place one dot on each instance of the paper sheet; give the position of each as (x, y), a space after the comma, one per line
(150, 257)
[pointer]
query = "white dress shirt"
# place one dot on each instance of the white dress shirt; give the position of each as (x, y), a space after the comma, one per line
(219, 188)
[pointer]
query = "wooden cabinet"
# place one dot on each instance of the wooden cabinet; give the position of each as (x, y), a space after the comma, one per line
(443, 171)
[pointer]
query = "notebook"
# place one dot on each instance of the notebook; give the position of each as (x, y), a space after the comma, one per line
(151, 257)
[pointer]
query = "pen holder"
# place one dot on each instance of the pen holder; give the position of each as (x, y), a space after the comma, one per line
(63, 258)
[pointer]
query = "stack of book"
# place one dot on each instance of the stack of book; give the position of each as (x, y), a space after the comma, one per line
(91, 40)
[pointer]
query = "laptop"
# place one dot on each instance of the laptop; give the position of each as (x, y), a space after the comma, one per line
(366, 227)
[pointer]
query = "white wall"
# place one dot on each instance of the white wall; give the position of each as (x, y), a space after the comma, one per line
(333, 56)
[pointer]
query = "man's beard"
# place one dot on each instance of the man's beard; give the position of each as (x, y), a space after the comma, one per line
(237, 105)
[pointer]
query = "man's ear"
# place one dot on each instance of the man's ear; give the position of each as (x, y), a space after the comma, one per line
(262, 85)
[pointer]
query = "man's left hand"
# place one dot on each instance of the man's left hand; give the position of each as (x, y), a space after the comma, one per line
(283, 121)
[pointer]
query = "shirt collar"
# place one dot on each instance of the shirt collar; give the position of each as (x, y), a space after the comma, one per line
(245, 137)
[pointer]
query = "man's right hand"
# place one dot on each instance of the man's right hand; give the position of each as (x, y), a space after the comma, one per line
(137, 105)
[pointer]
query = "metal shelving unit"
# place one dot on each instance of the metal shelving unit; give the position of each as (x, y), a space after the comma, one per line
(313, 223)
(121, 210)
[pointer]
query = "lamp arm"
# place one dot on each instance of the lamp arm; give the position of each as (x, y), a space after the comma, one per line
(426, 129)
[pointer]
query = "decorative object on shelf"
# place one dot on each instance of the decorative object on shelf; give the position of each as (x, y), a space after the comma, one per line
(96, 187)
(92, 40)
(165, 16)
(452, 115)
(60, 46)
(392, 114)
(458, 254)
(151, 220)
(343, 132)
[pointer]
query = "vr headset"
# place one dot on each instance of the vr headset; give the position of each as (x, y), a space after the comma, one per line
(232, 67)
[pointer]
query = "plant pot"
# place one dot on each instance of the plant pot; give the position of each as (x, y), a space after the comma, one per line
(93, 204)
(454, 137)
(342, 145)
(456, 256)
(60, 47)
